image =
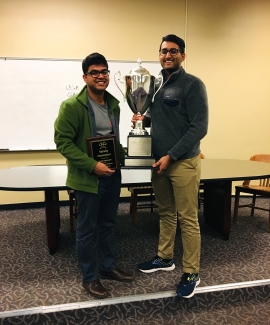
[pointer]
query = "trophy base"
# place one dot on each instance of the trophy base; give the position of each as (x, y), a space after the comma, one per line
(138, 132)
(139, 161)
(139, 146)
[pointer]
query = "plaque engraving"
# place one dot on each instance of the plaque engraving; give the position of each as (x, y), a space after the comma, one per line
(104, 149)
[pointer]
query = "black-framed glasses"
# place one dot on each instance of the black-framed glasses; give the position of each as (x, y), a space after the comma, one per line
(172, 51)
(96, 73)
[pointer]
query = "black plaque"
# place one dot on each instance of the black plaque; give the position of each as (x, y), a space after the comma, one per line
(104, 149)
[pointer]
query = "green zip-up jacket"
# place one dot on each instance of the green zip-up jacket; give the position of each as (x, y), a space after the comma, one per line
(72, 126)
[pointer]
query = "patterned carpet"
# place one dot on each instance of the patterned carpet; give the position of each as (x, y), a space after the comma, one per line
(30, 277)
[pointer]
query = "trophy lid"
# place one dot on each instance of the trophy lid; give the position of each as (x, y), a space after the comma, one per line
(139, 70)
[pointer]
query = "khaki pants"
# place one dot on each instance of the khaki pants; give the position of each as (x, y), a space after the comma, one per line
(176, 192)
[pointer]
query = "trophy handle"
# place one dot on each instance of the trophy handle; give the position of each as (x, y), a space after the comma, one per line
(159, 79)
(117, 80)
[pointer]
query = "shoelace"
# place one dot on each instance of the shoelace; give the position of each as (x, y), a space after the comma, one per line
(187, 278)
(160, 260)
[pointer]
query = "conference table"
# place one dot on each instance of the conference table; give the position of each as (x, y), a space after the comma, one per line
(217, 176)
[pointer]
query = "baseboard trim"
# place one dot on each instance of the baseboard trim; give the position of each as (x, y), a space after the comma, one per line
(28, 205)
(39, 205)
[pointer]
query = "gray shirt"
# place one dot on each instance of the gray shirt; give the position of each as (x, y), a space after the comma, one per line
(103, 122)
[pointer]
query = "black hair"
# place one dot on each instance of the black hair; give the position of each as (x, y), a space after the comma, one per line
(175, 39)
(94, 58)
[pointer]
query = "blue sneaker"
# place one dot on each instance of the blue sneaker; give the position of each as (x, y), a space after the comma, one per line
(187, 285)
(157, 264)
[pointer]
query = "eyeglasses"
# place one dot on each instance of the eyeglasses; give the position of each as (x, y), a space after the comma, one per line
(96, 73)
(172, 51)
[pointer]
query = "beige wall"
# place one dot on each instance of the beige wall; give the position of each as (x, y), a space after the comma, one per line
(227, 47)
(121, 30)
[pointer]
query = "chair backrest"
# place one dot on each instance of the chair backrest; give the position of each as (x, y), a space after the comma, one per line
(263, 158)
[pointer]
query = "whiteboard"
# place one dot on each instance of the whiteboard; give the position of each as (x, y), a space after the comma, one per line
(31, 91)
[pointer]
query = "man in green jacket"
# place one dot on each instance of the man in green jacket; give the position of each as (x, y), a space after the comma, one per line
(93, 112)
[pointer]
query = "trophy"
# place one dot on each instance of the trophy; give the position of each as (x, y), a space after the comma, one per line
(139, 91)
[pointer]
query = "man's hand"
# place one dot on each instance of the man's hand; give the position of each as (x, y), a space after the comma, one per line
(102, 170)
(162, 163)
(136, 118)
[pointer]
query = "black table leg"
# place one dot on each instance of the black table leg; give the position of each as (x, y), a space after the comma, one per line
(52, 214)
(217, 206)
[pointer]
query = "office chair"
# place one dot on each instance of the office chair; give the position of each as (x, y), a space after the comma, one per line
(262, 189)
(201, 188)
(72, 209)
(134, 206)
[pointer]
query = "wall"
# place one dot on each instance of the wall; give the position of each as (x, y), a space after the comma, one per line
(226, 47)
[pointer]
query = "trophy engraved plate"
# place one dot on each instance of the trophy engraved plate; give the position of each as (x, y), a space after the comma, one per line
(139, 91)
(139, 146)
(104, 149)
(140, 162)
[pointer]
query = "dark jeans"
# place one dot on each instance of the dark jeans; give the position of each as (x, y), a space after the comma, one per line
(96, 217)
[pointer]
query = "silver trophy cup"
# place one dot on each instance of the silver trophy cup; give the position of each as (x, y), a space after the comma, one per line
(138, 90)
